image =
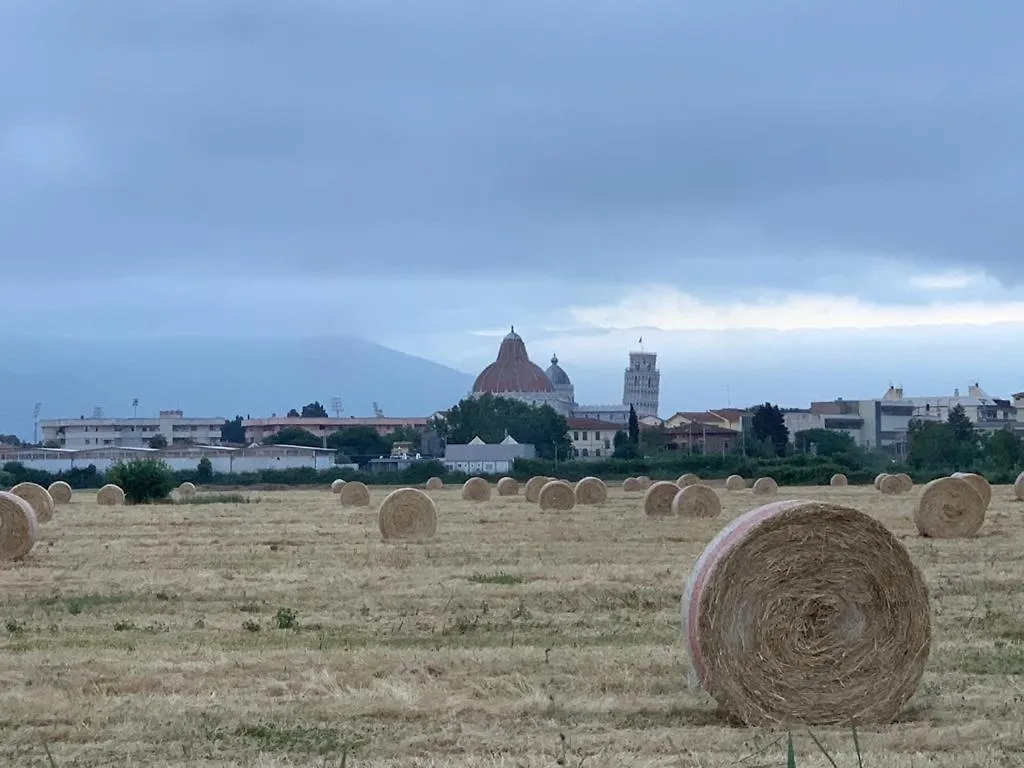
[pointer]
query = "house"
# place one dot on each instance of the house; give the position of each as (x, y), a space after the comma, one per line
(478, 457)
(592, 438)
(701, 437)
(258, 430)
(172, 425)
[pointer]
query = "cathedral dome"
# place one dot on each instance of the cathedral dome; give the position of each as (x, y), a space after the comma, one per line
(556, 375)
(512, 371)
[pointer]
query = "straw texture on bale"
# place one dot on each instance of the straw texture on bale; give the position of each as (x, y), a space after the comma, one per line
(60, 492)
(557, 494)
(806, 612)
(18, 527)
(735, 483)
(1018, 487)
(890, 484)
(354, 494)
(838, 480)
(687, 479)
(435, 484)
(187, 490)
(38, 498)
(658, 498)
(765, 486)
(878, 481)
(533, 486)
(476, 489)
(110, 495)
(906, 482)
(508, 487)
(407, 513)
(631, 485)
(949, 508)
(979, 484)
(337, 485)
(645, 482)
(697, 501)
(591, 491)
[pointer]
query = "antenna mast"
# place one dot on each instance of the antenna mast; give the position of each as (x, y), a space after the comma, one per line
(336, 407)
(36, 410)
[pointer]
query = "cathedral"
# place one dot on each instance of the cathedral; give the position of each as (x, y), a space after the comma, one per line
(514, 375)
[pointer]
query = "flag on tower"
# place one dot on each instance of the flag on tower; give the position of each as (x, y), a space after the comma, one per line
(640, 340)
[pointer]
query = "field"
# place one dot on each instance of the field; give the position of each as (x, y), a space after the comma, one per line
(283, 632)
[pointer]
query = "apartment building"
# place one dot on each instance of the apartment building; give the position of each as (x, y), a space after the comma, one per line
(173, 425)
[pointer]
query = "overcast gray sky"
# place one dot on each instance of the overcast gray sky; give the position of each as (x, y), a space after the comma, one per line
(848, 173)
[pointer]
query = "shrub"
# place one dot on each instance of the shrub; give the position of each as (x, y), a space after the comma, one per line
(204, 470)
(142, 480)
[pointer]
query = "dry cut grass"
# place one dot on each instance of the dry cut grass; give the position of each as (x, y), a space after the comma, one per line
(284, 632)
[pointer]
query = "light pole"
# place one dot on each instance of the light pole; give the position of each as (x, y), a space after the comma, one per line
(35, 422)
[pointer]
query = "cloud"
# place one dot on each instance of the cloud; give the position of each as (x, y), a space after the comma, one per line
(945, 281)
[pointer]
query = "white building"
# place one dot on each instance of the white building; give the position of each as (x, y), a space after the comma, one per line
(476, 456)
(131, 433)
(641, 383)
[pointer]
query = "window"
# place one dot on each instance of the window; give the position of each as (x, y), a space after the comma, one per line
(586, 452)
(597, 435)
(597, 452)
(575, 435)
(607, 444)
(584, 435)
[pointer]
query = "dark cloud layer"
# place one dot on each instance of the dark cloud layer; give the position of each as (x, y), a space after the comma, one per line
(563, 139)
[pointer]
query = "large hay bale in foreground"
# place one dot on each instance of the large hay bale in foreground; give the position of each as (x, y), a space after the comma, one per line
(186, 490)
(735, 483)
(890, 484)
(38, 498)
(687, 479)
(979, 484)
(18, 527)
(658, 498)
(476, 489)
(1018, 487)
(697, 501)
(631, 485)
(806, 612)
(508, 487)
(533, 486)
(557, 494)
(906, 482)
(337, 485)
(591, 491)
(110, 495)
(407, 513)
(765, 486)
(434, 484)
(949, 508)
(354, 494)
(838, 480)
(60, 492)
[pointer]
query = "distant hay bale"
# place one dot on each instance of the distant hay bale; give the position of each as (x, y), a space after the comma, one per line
(110, 495)
(735, 483)
(354, 494)
(38, 498)
(979, 484)
(1018, 487)
(18, 527)
(906, 482)
(407, 513)
(557, 494)
(803, 612)
(878, 480)
(507, 486)
(337, 485)
(591, 491)
(434, 484)
(60, 492)
(838, 480)
(631, 485)
(687, 479)
(890, 484)
(697, 501)
(476, 489)
(187, 490)
(533, 486)
(658, 498)
(645, 482)
(765, 486)
(949, 508)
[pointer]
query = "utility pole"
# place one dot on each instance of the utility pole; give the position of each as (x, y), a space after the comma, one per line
(35, 420)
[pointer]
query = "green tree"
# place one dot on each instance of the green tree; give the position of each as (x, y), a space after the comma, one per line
(292, 414)
(204, 470)
(491, 418)
(404, 434)
(932, 444)
(314, 410)
(158, 442)
(623, 448)
(1003, 449)
(293, 436)
(652, 441)
(142, 480)
(232, 431)
(359, 441)
(768, 423)
(10, 440)
(633, 428)
(826, 442)
(963, 429)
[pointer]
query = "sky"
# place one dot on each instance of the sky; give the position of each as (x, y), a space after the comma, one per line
(788, 201)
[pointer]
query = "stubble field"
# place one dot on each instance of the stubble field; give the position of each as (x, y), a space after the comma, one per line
(284, 632)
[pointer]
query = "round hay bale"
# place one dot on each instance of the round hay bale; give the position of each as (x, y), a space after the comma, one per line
(508, 487)
(187, 490)
(890, 484)
(407, 513)
(806, 612)
(354, 494)
(60, 492)
(434, 484)
(735, 483)
(658, 498)
(18, 527)
(878, 481)
(337, 485)
(645, 482)
(533, 486)
(949, 508)
(38, 498)
(1018, 487)
(591, 491)
(697, 501)
(476, 489)
(631, 485)
(765, 486)
(687, 479)
(557, 494)
(979, 484)
(906, 482)
(110, 495)
(838, 480)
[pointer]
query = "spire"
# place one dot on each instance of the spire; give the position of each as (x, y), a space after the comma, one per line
(554, 359)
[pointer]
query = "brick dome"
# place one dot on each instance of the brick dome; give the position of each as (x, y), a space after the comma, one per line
(512, 371)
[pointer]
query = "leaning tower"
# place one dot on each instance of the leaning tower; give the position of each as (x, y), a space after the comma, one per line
(641, 385)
